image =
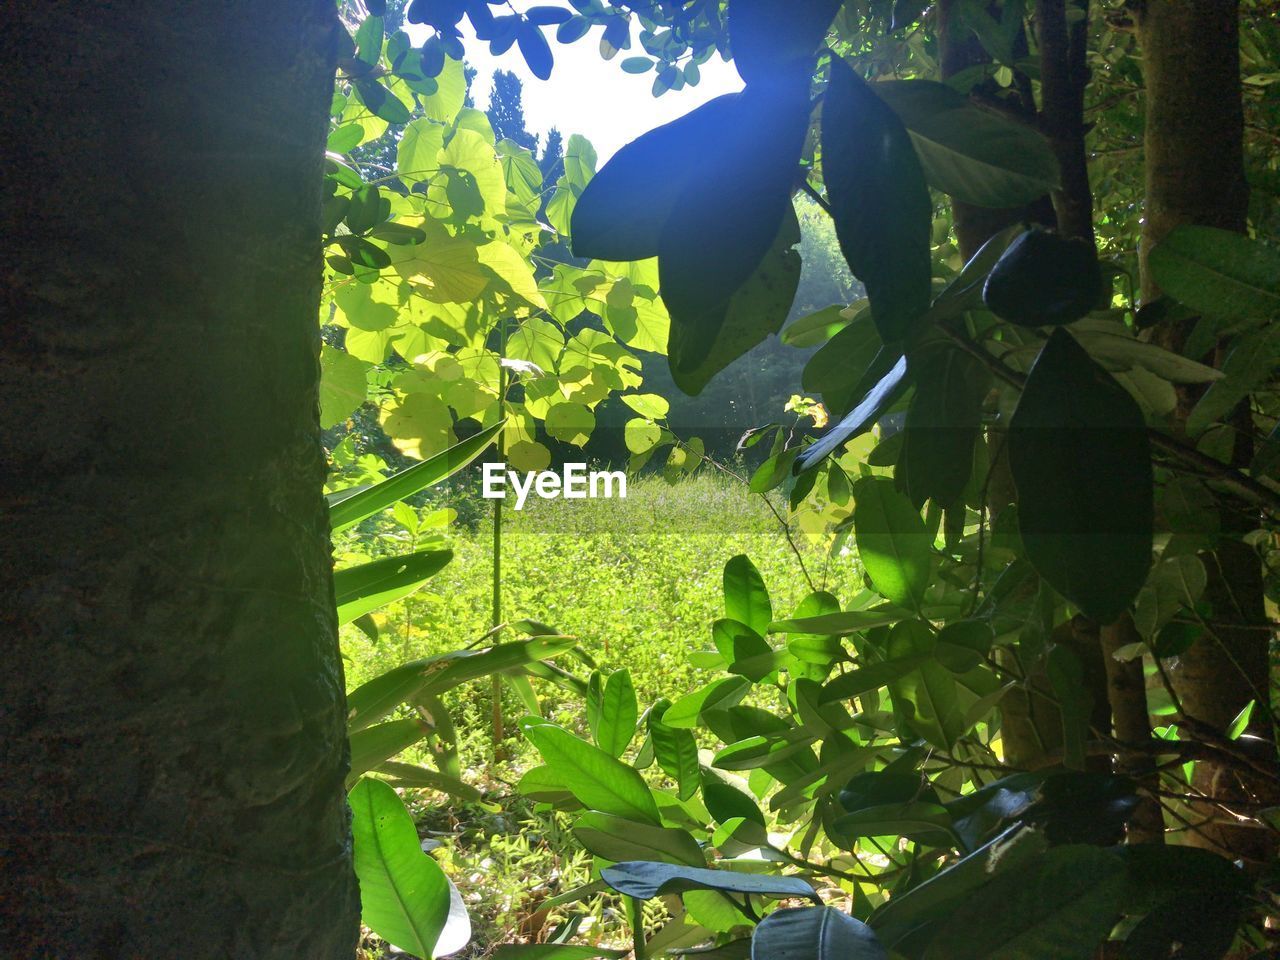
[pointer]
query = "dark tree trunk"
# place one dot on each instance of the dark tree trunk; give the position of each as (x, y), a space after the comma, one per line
(172, 728)
(1064, 73)
(1194, 151)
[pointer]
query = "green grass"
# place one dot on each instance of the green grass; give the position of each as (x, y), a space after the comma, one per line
(638, 581)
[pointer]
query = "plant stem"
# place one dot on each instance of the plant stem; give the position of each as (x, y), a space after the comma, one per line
(635, 908)
(495, 689)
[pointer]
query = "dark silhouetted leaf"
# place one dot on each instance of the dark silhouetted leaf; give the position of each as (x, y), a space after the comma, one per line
(814, 933)
(769, 38)
(1081, 461)
(879, 201)
(942, 424)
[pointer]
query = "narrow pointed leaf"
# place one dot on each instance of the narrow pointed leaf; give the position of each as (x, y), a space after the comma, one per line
(346, 509)
(369, 586)
(646, 879)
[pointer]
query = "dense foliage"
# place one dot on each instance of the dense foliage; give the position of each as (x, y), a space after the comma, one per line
(1048, 479)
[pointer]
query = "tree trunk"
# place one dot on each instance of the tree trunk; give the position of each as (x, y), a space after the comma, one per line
(172, 733)
(1195, 174)
(1064, 72)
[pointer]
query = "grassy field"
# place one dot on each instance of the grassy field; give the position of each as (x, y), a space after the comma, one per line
(639, 582)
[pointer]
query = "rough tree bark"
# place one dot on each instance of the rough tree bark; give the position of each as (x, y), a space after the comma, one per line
(172, 728)
(1194, 169)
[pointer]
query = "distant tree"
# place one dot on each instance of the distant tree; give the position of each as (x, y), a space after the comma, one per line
(506, 110)
(552, 160)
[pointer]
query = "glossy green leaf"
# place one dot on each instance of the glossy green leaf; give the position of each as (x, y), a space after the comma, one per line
(928, 696)
(1249, 364)
(675, 750)
(878, 200)
(404, 895)
(687, 712)
(377, 744)
(746, 599)
(617, 839)
(375, 698)
(618, 714)
(842, 623)
(1081, 461)
(361, 589)
(814, 933)
(598, 780)
(346, 508)
(893, 544)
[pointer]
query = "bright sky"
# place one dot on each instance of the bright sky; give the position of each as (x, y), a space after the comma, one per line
(591, 96)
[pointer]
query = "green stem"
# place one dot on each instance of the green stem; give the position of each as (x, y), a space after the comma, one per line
(635, 908)
(496, 620)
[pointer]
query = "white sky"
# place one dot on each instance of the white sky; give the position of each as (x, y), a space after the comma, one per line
(591, 96)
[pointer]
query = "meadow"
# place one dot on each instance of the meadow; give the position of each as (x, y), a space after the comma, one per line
(638, 582)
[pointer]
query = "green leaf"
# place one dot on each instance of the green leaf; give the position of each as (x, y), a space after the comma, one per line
(616, 839)
(636, 65)
(746, 599)
(625, 206)
(404, 895)
(846, 368)
(346, 508)
(844, 623)
(814, 933)
(909, 912)
(942, 425)
(420, 778)
(893, 544)
(770, 39)
(817, 328)
(713, 322)
(927, 696)
(1248, 365)
(372, 585)
(718, 695)
(975, 155)
(374, 745)
(343, 385)
(645, 880)
(1081, 461)
(676, 751)
(618, 714)
(878, 200)
(374, 699)
(1061, 905)
(868, 678)
(598, 780)
(1218, 273)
